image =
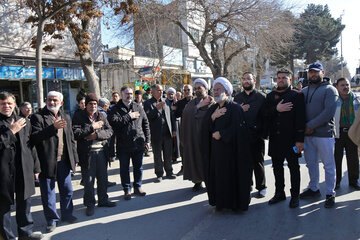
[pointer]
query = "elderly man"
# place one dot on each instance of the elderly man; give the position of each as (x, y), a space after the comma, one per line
(17, 167)
(162, 129)
(251, 101)
(25, 109)
(347, 108)
(54, 141)
(191, 121)
(91, 131)
(131, 128)
(226, 151)
(320, 104)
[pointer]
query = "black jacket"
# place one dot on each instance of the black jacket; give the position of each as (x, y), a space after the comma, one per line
(44, 136)
(284, 128)
(154, 116)
(81, 126)
(180, 105)
(253, 116)
(131, 134)
(12, 151)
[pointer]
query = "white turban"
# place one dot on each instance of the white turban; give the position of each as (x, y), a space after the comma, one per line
(202, 81)
(226, 83)
(170, 89)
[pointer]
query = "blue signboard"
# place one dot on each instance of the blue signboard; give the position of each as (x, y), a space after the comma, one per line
(69, 74)
(11, 72)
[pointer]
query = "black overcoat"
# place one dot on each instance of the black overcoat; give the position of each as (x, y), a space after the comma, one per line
(44, 136)
(29, 161)
(227, 161)
(82, 128)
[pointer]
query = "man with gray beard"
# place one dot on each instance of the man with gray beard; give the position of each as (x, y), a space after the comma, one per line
(54, 141)
(191, 121)
(226, 151)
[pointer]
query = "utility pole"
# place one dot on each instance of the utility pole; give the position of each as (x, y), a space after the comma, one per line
(341, 46)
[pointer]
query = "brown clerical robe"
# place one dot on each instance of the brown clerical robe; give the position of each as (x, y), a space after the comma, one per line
(190, 140)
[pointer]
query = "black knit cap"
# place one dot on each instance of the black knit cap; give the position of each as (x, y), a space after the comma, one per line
(91, 97)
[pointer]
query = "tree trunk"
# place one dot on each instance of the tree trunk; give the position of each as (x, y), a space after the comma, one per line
(39, 51)
(87, 64)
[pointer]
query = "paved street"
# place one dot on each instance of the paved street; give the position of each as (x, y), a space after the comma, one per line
(170, 210)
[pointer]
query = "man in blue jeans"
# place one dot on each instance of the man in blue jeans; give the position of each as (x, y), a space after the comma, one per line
(131, 127)
(320, 101)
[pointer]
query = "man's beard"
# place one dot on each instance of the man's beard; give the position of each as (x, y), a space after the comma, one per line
(55, 109)
(282, 88)
(248, 88)
(316, 81)
(220, 98)
(199, 94)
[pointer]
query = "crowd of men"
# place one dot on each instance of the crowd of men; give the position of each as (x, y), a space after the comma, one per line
(221, 142)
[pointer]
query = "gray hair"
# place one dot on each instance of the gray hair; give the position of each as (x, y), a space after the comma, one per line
(56, 94)
(24, 104)
(103, 102)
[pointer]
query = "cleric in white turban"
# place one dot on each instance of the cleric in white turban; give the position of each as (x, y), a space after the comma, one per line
(202, 81)
(226, 151)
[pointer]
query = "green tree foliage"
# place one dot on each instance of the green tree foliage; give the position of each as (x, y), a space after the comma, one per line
(317, 33)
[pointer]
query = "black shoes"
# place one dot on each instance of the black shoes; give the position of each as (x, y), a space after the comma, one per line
(329, 201)
(197, 187)
(158, 179)
(111, 184)
(90, 210)
(70, 219)
(294, 202)
(355, 186)
(170, 176)
(33, 236)
(127, 196)
(277, 198)
(50, 228)
(139, 192)
(107, 204)
(307, 194)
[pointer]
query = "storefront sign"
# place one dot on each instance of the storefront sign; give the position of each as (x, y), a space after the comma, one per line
(69, 74)
(11, 72)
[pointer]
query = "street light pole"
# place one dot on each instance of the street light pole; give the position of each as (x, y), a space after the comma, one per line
(341, 47)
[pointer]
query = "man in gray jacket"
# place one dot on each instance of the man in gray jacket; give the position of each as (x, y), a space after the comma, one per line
(320, 100)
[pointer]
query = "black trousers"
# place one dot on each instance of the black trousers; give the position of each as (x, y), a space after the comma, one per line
(163, 146)
(24, 219)
(352, 158)
(278, 168)
(257, 153)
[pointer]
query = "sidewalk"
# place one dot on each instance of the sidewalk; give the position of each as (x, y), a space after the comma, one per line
(170, 210)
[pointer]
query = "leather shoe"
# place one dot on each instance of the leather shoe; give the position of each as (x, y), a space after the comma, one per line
(170, 176)
(50, 228)
(111, 184)
(32, 236)
(294, 202)
(276, 199)
(107, 204)
(356, 186)
(90, 211)
(139, 192)
(158, 179)
(70, 219)
(127, 196)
